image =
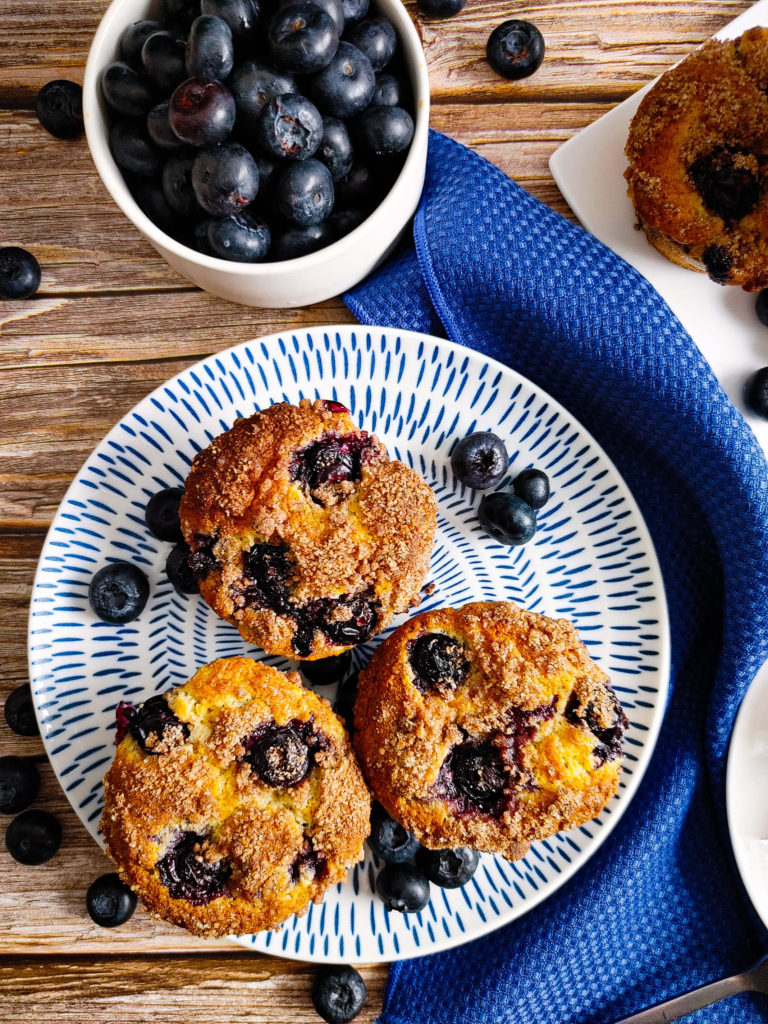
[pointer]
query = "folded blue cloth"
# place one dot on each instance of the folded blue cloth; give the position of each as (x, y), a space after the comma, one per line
(659, 908)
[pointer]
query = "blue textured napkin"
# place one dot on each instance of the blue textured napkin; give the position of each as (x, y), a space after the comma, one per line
(658, 909)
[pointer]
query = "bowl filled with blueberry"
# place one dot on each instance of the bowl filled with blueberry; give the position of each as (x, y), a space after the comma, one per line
(272, 151)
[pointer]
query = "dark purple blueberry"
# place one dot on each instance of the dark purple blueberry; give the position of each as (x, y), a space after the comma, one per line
(268, 172)
(728, 187)
(402, 887)
(438, 661)
(377, 38)
(354, 11)
(161, 514)
(133, 150)
(188, 875)
(441, 8)
(358, 625)
(756, 392)
(19, 783)
(341, 222)
(202, 559)
(149, 195)
(279, 756)
(242, 238)
(225, 179)
(202, 111)
(333, 8)
(152, 724)
(19, 273)
(289, 127)
(388, 91)
(717, 263)
(515, 49)
(479, 460)
(358, 189)
(253, 85)
(109, 901)
(304, 192)
(327, 671)
(346, 86)
(336, 148)
(162, 57)
(507, 518)
(242, 16)
(331, 460)
(450, 869)
(302, 37)
(532, 485)
(159, 128)
(127, 91)
(199, 241)
(478, 773)
(176, 181)
(268, 569)
(210, 51)
(385, 130)
(389, 840)
(297, 242)
(133, 38)
(33, 837)
(179, 571)
(59, 108)
(761, 306)
(344, 703)
(20, 712)
(338, 993)
(118, 592)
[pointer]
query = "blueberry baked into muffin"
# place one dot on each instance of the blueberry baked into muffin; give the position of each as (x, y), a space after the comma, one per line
(488, 726)
(234, 800)
(303, 533)
(698, 161)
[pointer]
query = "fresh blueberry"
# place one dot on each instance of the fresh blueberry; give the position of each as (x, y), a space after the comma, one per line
(441, 8)
(304, 193)
(33, 837)
(296, 242)
(333, 8)
(161, 514)
(479, 460)
(388, 92)
(327, 671)
(242, 16)
(162, 57)
(210, 50)
(188, 875)
(109, 901)
(152, 725)
(755, 392)
(118, 592)
(133, 150)
(508, 518)
(19, 273)
(438, 662)
(341, 222)
(389, 840)
(20, 712)
(225, 179)
(177, 187)
(450, 869)
(202, 111)
(241, 237)
(385, 130)
(354, 11)
(159, 128)
(344, 703)
(358, 189)
(515, 49)
(302, 37)
(346, 85)
(761, 306)
(403, 887)
(336, 148)
(254, 84)
(19, 783)
(133, 38)
(532, 485)
(377, 39)
(149, 195)
(179, 571)
(338, 993)
(290, 128)
(280, 756)
(181, 14)
(127, 91)
(59, 108)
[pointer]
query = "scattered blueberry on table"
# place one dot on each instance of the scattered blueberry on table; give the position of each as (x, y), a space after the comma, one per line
(109, 901)
(441, 8)
(515, 49)
(20, 713)
(756, 392)
(33, 837)
(118, 592)
(59, 108)
(19, 273)
(338, 993)
(479, 460)
(19, 784)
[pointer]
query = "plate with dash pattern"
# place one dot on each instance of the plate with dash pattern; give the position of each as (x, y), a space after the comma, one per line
(591, 561)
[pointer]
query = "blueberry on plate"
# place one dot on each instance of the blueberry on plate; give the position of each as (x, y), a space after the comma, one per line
(20, 712)
(304, 193)
(532, 485)
(354, 11)
(33, 837)
(161, 514)
(338, 993)
(377, 38)
(242, 16)
(162, 57)
(385, 130)
(450, 869)
(508, 518)
(225, 179)
(177, 187)
(389, 840)
(159, 128)
(179, 571)
(441, 8)
(242, 238)
(19, 783)
(133, 38)
(118, 592)
(302, 37)
(210, 51)
(59, 108)
(289, 128)
(336, 148)
(346, 85)
(296, 242)
(761, 306)
(479, 460)
(202, 111)
(254, 84)
(133, 150)
(127, 91)
(388, 91)
(755, 391)
(515, 49)
(403, 887)
(19, 273)
(109, 901)
(327, 671)
(344, 703)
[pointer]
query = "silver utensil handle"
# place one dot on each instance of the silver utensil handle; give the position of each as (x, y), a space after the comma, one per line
(673, 1009)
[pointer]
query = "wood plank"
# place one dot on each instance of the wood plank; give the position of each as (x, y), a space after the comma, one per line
(225, 989)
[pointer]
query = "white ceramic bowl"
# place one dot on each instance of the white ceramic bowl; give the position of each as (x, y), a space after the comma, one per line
(297, 282)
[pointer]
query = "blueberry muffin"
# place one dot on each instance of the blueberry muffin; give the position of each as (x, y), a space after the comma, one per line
(488, 726)
(303, 533)
(698, 161)
(234, 800)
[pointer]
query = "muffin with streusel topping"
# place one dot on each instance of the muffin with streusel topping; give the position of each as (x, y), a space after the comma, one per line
(303, 533)
(233, 801)
(488, 726)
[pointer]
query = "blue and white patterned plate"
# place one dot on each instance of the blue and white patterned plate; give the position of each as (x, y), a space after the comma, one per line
(591, 561)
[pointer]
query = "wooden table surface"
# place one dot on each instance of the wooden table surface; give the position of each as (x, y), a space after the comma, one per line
(111, 322)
